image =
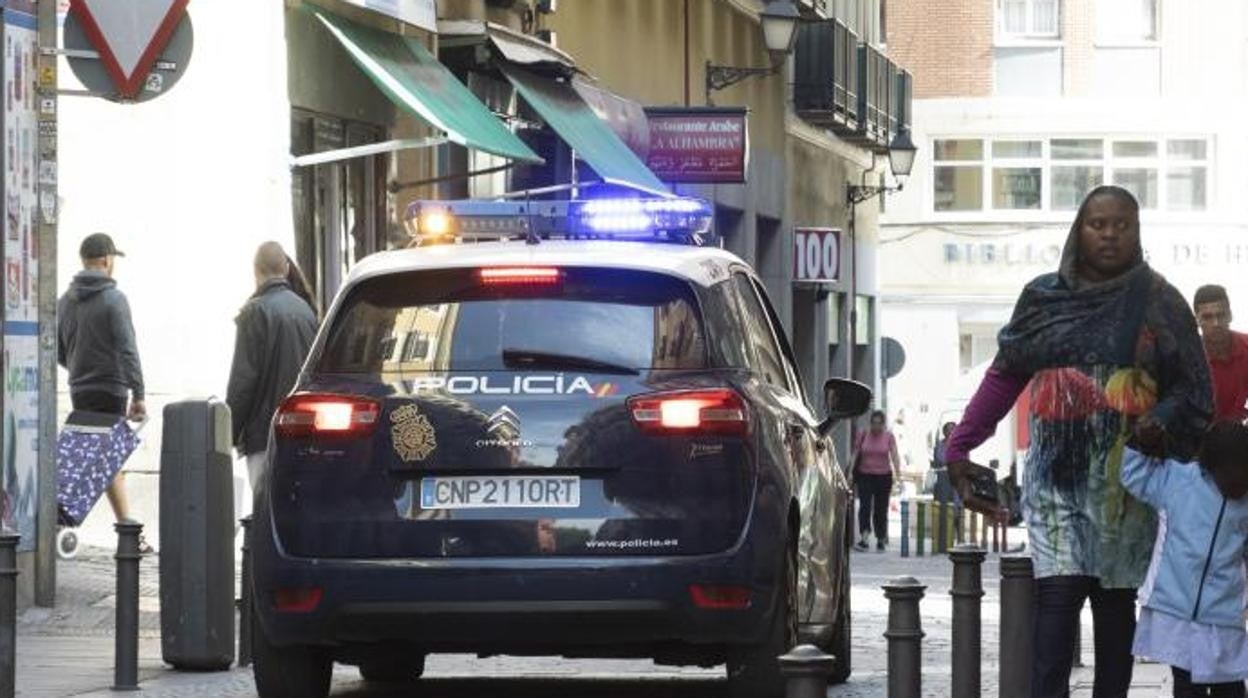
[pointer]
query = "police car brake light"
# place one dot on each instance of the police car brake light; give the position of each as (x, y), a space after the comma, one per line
(309, 414)
(718, 411)
(506, 276)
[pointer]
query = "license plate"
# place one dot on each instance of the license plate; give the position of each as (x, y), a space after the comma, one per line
(540, 492)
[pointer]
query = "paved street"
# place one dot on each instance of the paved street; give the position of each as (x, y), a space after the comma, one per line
(68, 651)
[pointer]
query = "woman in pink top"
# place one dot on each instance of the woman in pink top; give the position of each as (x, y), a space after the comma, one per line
(875, 465)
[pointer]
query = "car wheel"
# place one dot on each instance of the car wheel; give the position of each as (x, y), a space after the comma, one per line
(841, 643)
(756, 672)
(394, 670)
(289, 672)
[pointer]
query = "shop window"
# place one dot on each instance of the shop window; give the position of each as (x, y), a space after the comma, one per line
(959, 175)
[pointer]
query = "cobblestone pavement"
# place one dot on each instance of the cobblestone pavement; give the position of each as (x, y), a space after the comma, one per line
(67, 651)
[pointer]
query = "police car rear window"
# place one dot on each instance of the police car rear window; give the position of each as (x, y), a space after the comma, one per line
(451, 320)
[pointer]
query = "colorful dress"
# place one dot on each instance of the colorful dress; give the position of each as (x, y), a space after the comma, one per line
(1097, 357)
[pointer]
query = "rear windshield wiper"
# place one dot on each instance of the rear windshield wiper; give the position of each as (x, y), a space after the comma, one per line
(525, 358)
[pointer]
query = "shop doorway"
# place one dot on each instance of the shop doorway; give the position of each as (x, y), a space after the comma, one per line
(340, 210)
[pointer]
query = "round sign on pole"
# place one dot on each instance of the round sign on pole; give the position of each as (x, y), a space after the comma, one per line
(893, 358)
(166, 72)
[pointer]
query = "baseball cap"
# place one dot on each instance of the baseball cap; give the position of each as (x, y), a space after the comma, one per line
(98, 245)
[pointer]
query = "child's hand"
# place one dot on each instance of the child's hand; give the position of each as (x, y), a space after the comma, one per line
(1149, 436)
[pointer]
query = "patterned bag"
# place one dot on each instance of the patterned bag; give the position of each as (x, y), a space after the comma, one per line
(90, 450)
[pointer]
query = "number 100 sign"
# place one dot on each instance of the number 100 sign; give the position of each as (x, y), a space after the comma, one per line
(816, 254)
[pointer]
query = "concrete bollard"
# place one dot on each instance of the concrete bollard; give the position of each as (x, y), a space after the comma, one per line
(1017, 616)
(967, 593)
(126, 656)
(8, 613)
(921, 528)
(905, 637)
(806, 670)
(905, 528)
(245, 604)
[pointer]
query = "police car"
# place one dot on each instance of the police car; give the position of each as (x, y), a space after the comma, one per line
(583, 434)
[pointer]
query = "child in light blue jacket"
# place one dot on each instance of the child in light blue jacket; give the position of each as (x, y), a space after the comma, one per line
(1193, 598)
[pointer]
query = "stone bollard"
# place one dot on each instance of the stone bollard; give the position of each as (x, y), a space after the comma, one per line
(806, 670)
(905, 637)
(245, 603)
(1017, 599)
(905, 528)
(920, 528)
(967, 593)
(126, 657)
(8, 613)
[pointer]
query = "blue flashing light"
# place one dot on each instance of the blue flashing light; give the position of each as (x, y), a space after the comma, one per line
(644, 217)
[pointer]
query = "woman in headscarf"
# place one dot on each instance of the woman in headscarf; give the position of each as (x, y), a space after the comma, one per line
(1111, 353)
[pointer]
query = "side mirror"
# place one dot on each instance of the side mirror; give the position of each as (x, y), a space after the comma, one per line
(843, 399)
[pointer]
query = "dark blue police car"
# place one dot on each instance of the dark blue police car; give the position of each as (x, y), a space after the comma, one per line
(587, 447)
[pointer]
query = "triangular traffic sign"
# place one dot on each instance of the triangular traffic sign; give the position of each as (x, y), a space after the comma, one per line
(129, 35)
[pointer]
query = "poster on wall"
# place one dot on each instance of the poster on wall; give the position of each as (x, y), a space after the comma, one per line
(20, 421)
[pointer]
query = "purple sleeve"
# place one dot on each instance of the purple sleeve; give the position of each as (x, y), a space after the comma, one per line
(992, 402)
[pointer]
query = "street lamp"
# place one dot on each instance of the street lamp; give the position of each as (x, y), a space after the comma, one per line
(779, 19)
(901, 152)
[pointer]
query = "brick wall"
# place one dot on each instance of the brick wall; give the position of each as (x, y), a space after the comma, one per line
(945, 44)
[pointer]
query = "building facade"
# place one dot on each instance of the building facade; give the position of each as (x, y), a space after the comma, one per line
(1022, 107)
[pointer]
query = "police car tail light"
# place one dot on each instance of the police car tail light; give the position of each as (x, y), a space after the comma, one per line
(326, 415)
(297, 600)
(718, 597)
(719, 411)
(525, 276)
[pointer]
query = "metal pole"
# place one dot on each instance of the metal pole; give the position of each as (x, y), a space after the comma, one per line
(806, 670)
(967, 593)
(244, 614)
(126, 658)
(905, 637)
(943, 526)
(921, 533)
(905, 528)
(8, 613)
(1017, 599)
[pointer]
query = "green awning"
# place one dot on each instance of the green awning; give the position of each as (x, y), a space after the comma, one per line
(577, 124)
(413, 79)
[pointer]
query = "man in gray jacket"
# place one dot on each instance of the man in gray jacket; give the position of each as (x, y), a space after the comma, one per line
(275, 332)
(95, 342)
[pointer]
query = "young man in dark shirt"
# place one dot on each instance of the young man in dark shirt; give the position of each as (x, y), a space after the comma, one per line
(95, 342)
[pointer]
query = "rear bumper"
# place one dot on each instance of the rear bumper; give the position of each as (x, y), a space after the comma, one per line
(620, 606)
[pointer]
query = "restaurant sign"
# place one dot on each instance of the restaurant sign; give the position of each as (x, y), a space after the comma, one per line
(699, 146)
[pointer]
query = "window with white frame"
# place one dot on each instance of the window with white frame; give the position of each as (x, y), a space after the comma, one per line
(1127, 22)
(1029, 19)
(1055, 174)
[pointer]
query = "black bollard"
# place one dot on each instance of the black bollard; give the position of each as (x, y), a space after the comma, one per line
(245, 609)
(126, 657)
(943, 527)
(806, 670)
(8, 613)
(921, 528)
(1017, 599)
(905, 637)
(967, 593)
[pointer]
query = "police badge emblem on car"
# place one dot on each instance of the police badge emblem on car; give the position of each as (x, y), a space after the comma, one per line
(413, 435)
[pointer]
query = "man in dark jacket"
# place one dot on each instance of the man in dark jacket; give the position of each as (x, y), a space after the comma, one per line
(95, 342)
(275, 331)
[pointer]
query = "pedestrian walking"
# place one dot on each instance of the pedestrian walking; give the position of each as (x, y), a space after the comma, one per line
(876, 465)
(1110, 351)
(1227, 351)
(96, 345)
(274, 332)
(1192, 602)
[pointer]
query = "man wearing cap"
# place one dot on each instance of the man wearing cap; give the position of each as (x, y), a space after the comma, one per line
(95, 342)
